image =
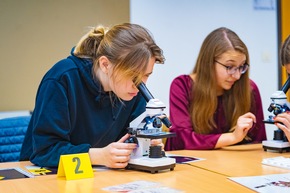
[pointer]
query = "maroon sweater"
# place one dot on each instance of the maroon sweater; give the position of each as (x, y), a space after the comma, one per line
(186, 137)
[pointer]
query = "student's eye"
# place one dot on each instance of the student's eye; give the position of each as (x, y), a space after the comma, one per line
(144, 79)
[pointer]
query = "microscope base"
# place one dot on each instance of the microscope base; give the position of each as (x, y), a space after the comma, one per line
(152, 165)
(277, 145)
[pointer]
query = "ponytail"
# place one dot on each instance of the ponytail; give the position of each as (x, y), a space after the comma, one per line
(89, 43)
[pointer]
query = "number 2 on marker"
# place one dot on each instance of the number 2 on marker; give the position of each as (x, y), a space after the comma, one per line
(77, 169)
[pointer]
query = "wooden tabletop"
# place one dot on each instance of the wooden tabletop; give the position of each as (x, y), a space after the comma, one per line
(235, 161)
(185, 178)
(208, 175)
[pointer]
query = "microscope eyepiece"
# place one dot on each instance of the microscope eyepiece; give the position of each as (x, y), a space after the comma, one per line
(145, 92)
(286, 85)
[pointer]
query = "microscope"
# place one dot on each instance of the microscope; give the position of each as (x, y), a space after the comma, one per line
(278, 105)
(145, 127)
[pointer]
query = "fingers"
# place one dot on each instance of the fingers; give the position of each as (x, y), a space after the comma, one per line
(245, 123)
(118, 162)
(119, 165)
(281, 126)
(118, 154)
(157, 142)
(250, 115)
(283, 117)
(123, 139)
(285, 129)
(122, 148)
(120, 159)
(282, 121)
(122, 145)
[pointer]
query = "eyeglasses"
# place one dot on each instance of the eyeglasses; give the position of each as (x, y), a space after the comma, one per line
(232, 70)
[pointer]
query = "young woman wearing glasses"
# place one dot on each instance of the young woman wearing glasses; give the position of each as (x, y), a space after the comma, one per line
(216, 105)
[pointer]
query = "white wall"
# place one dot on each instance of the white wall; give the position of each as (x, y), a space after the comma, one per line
(180, 26)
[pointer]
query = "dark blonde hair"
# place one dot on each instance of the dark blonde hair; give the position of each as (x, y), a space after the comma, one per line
(236, 101)
(129, 48)
(285, 52)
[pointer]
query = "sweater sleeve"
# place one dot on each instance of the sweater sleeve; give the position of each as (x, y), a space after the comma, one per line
(257, 133)
(52, 126)
(185, 138)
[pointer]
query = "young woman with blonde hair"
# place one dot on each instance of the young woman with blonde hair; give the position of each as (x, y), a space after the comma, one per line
(85, 102)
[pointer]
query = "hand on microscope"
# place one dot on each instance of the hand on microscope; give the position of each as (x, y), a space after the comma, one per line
(114, 155)
(282, 121)
(153, 142)
(157, 142)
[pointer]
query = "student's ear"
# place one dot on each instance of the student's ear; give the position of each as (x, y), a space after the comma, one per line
(104, 64)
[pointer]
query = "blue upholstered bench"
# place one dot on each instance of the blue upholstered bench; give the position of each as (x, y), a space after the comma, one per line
(12, 133)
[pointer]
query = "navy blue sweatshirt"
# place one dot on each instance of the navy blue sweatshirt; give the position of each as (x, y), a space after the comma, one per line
(73, 113)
